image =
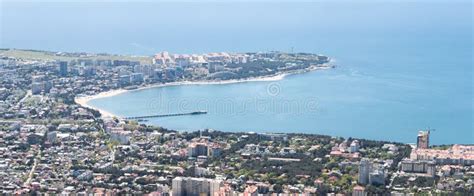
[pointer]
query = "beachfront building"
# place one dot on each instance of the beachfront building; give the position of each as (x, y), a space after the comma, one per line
(455, 155)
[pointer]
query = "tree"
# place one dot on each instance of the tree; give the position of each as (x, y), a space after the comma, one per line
(277, 188)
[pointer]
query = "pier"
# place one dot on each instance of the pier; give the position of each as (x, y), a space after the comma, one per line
(165, 115)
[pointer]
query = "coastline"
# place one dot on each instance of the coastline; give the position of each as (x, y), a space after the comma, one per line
(84, 100)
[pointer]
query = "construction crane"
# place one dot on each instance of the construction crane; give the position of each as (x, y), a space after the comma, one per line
(430, 130)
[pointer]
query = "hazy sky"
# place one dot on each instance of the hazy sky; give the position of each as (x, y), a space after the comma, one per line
(145, 26)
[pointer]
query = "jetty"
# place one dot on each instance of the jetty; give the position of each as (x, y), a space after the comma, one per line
(165, 115)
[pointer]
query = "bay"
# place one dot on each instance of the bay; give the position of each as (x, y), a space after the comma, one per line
(402, 66)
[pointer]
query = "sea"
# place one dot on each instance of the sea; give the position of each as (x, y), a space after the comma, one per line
(401, 66)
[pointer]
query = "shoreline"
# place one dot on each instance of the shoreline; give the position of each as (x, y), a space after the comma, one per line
(84, 100)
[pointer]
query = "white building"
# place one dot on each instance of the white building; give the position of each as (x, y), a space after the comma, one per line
(183, 186)
(146, 70)
(354, 147)
(123, 137)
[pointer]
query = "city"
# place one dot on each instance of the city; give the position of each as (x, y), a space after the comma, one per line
(50, 144)
(236, 98)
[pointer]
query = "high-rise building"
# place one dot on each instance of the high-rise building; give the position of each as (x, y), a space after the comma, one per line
(63, 68)
(423, 139)
(214, 151)
(124, 80)
(36, 87)
(40, 84)
(197, 149)
(136, 78)
(182, 186)
(377, 175)
(364, 170)
(371, 173)
(86, 70)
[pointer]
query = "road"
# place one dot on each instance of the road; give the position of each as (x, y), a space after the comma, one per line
(28, 94)
(33, 169)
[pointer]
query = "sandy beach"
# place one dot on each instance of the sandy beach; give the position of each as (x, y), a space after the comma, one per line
(84, 100)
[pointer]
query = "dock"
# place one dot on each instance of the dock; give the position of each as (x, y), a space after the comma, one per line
(165, 115)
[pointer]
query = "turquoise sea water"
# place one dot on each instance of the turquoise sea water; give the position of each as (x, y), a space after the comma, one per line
(402, 66)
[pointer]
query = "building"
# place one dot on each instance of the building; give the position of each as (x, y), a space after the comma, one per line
(123, 137)
(358, 191)
(86, 176)
(354, 147)
(163, 58)
(169, 74)
(263, 188)
(278, 137)
(125, 62)
(103, 62)
(218, 57)
(63, 68)
(377, 176)
(251, 149)
(40, 84)
(124, 80)
(183, 60)
(423, 140)
(136, 78)
(456, 155)
(36, 88)
(146, 70)
(369, 173)
(364, 169)
(35, 138)
(86, 70)
(183, 186)
(84, 62)
(415, 166)
(197, 149)
(214, 151)
(52, 137)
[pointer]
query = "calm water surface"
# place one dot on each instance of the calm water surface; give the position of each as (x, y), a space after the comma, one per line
(402, 66)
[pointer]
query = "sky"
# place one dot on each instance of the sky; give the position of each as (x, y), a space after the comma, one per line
(145, 27)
